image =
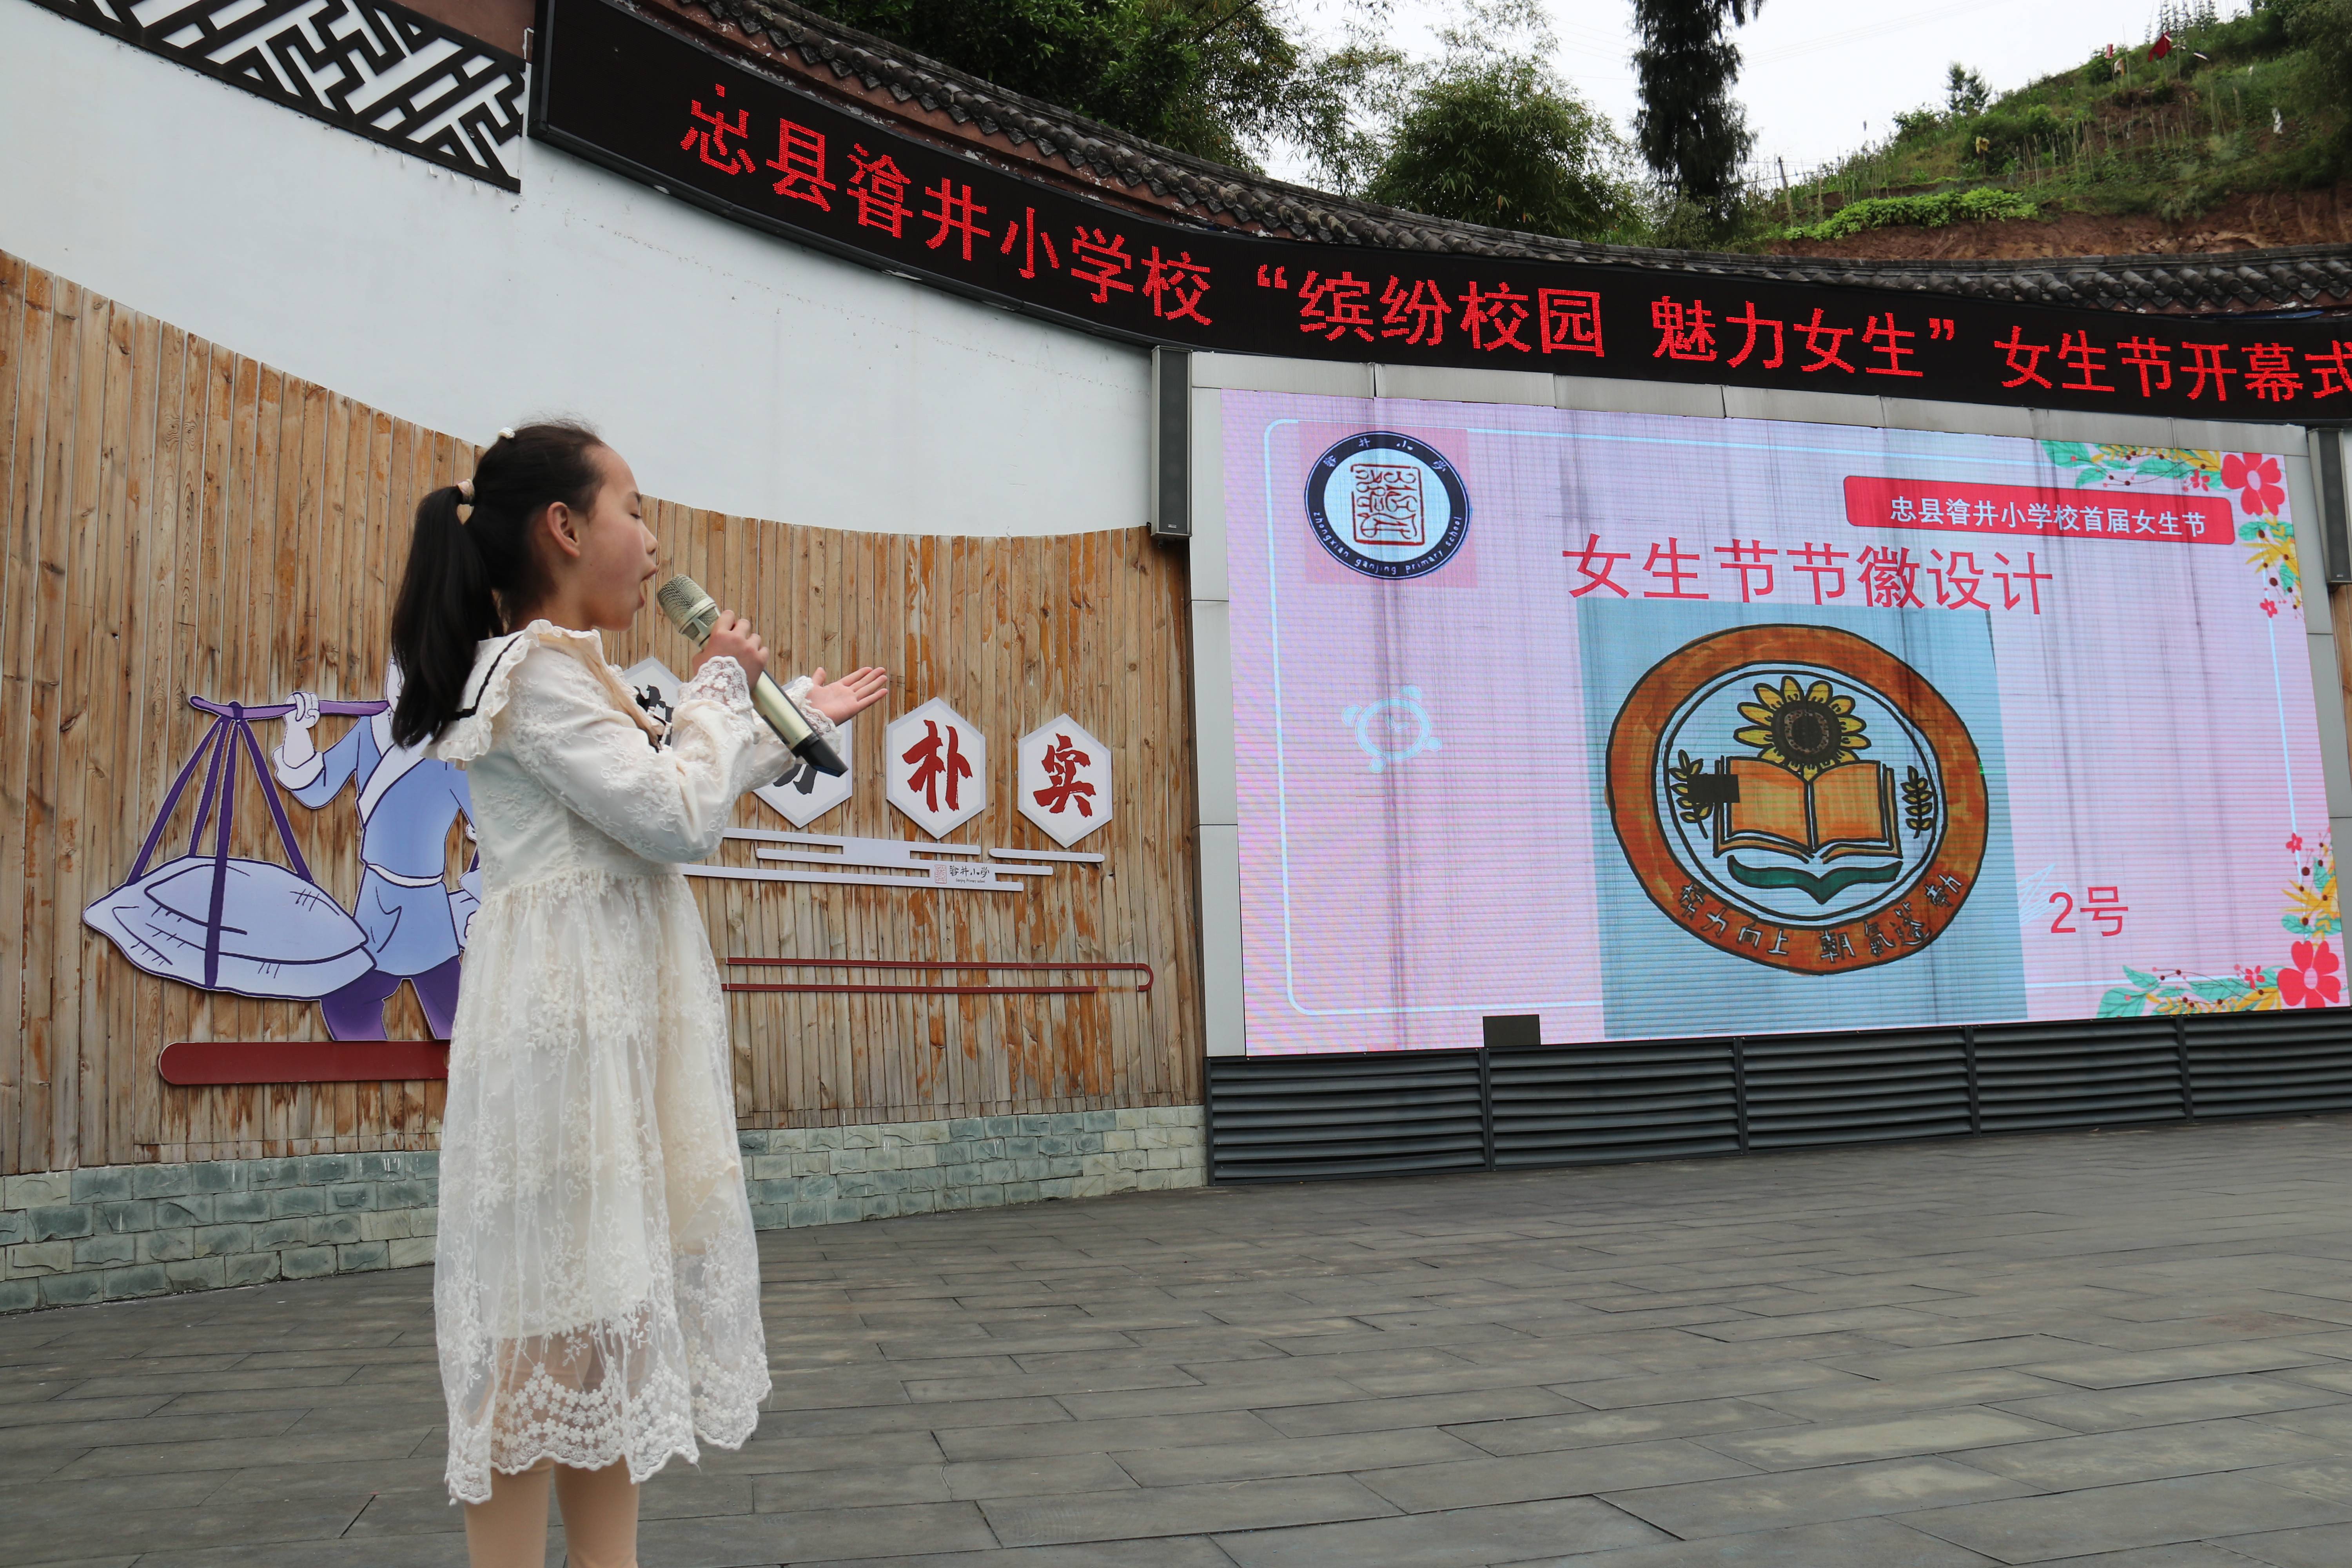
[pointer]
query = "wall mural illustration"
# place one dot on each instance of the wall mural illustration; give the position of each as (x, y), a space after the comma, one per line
(219, 922)
(261, 929)
(416, 923)
(256, 927)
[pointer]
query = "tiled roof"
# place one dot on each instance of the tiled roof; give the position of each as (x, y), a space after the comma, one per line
(1053, 143)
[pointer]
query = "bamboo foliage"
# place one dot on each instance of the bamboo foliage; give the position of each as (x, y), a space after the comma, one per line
(179, 520)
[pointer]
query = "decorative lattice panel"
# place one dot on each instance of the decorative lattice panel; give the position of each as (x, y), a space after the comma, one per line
(373, 69)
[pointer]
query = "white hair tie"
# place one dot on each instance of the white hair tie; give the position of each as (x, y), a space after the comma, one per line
(506, 434)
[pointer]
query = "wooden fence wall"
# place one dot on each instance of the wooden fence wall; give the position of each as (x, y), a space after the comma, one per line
(182, 521)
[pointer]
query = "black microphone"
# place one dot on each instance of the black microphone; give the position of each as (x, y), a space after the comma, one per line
(694, 612)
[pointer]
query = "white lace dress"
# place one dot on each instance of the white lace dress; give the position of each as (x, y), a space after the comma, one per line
(596, 1287)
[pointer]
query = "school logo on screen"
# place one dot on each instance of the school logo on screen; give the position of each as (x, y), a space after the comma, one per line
(1799, 796)
(1387, 505)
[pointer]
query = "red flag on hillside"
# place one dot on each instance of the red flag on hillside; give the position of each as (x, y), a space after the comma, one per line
(2162, 47)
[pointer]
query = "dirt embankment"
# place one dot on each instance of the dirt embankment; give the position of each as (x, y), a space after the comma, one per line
(2244, 223)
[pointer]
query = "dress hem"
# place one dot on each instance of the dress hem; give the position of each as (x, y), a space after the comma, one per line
(688, 1448)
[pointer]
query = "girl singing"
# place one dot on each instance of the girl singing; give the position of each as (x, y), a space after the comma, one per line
(596, 1287)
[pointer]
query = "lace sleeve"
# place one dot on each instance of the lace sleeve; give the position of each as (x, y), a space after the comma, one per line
(721, 680)
(673, 804)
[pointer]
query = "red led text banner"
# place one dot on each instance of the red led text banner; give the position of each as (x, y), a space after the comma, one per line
(677, 113)
(1940, 507)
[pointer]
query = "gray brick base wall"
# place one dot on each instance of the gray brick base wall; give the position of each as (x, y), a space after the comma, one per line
(824, 1175)
(105, 1233)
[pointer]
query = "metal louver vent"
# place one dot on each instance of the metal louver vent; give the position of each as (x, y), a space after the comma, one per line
(1567, 1105)
(1855, 1088)
(1520, 1106)
(2079, 1075)
(2251, 1064)
(1377, 1115)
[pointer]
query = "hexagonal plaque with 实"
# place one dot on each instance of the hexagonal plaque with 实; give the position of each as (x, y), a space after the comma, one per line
(935, 762)
(1065, 780)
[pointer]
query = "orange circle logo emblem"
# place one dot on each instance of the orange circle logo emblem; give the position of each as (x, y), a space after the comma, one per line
(1799, 796)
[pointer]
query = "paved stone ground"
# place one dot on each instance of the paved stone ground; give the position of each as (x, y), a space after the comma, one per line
(2129, 1349)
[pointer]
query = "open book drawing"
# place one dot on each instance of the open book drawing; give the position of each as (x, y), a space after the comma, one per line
(1843, 813)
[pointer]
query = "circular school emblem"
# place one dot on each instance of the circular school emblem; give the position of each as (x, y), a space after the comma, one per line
(1799, 796)
(1387, 505)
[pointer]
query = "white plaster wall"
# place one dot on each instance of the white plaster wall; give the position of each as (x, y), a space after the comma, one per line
(734, 370)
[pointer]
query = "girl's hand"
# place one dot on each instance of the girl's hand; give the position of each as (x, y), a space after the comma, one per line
(851, 695)
(734, 637)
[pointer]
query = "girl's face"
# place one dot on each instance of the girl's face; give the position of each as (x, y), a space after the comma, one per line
(615, 558)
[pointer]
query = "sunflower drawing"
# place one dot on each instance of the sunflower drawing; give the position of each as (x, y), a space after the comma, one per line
(1807, 729)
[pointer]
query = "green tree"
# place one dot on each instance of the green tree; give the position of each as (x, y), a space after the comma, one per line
(1222, 79)
(1054, 49)
(1490, 135)
(1964, 92)
(1690, 130)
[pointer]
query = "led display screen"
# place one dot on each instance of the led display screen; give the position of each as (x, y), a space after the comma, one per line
(1661, 727)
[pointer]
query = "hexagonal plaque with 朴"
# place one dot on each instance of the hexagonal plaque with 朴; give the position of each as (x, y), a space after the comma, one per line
(935, 762)
(809, 795)
(1065, 780)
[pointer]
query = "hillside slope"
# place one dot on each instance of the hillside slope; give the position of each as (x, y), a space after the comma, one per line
(2259, 221)
(2237, 138)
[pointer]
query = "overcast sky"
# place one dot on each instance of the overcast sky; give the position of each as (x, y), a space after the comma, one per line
(1815, 73)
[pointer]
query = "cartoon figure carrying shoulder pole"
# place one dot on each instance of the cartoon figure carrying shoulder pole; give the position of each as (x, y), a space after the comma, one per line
(415, 922)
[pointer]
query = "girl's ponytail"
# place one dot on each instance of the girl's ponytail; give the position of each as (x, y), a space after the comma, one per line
(471, 563)
(446, 605)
